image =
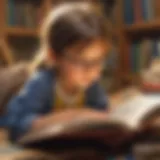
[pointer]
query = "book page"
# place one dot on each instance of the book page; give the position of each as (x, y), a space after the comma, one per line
(134, 110)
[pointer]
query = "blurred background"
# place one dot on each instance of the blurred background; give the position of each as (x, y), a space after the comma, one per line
(136, 29)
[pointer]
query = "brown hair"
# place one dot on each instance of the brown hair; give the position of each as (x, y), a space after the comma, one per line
(70, 23)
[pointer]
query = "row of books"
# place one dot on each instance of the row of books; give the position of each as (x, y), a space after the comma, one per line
(141, 10)
(23, 14)
(142, 53)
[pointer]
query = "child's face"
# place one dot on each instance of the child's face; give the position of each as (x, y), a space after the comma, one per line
(81, 66)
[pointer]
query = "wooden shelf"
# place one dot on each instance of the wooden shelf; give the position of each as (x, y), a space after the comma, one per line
(17, 31)
(143, 27)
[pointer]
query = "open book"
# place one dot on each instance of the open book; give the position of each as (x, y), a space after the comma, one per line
(116, 126)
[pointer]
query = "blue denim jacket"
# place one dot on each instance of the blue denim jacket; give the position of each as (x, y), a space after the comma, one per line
(36, 99)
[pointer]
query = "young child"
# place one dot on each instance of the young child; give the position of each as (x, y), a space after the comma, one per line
(76, 41)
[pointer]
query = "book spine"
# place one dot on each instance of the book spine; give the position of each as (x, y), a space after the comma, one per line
(146, 53)
(128, 12)
(28, 15)
(156, 8)
(145, 10)
(129, 57)
(149, 7)
(126, 57)
(132, 57)
(39, 16)
(137, 57)
(17, 15)
(11, 12)
(142, 55)
(155, 49)
(158, 48)
(149, 52)
(21, 19)
(137, 11)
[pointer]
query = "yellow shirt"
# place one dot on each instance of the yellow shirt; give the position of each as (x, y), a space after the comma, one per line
(60, 104)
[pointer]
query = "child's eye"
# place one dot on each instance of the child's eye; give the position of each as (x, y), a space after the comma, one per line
(88, 64)
(84, 63)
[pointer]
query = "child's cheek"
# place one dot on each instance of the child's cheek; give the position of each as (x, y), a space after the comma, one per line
(77, 79)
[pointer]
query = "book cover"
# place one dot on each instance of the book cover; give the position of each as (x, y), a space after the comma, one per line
(113, 128)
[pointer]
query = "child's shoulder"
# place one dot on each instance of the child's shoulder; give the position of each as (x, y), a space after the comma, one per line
(43, 74)
(42, 77)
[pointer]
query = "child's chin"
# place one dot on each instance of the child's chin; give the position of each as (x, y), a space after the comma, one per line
(83, 86)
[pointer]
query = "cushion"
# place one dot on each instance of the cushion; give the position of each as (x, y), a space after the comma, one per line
(11, 79)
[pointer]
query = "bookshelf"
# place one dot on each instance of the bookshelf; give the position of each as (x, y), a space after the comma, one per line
(20, 19)
(142, 27)
(23, 32)
(141, 30)
(10, 30)
(16, 20)
(141, 23)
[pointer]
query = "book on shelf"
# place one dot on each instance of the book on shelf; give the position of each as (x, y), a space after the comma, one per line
(134, 57)
(81, 127)
(128, 11)
(150, 81)
(136, 11)
(142, 52)
(23, 14)
(156, 5)
(11, 13)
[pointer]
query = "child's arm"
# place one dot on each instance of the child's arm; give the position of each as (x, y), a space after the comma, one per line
(27, 106)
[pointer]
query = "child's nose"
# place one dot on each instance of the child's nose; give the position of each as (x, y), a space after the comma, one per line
(92, 75)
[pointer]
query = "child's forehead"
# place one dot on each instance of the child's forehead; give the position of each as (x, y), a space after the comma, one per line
(94, 49)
